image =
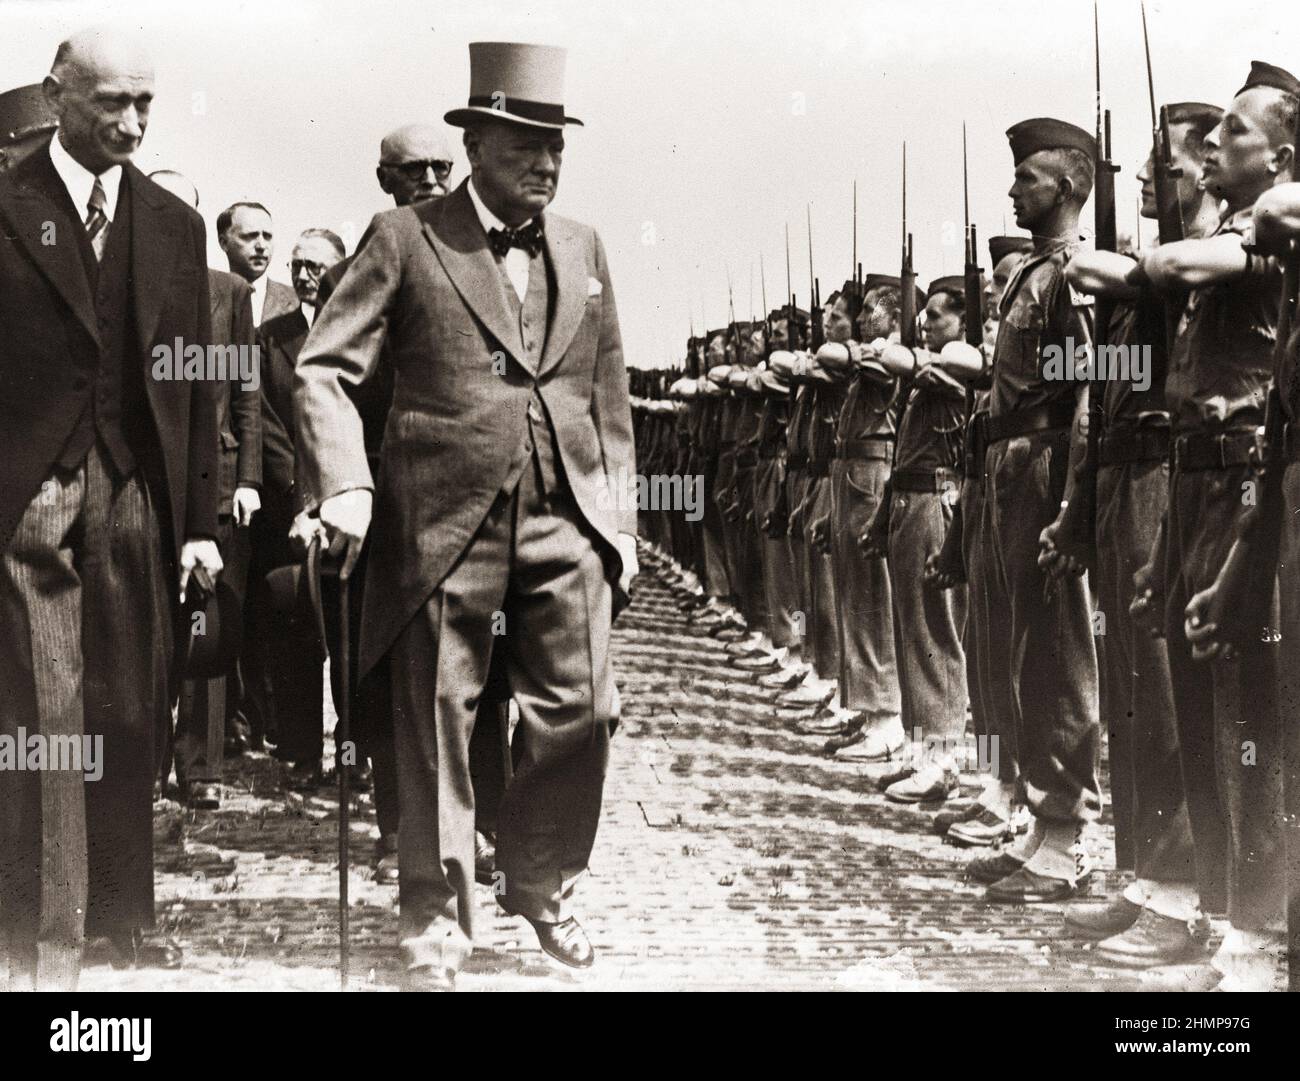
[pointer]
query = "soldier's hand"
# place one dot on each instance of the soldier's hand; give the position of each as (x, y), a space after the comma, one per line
(1052, 559)
(1147, 606)
(200, 559)
(820, 534)
(875, 541)
(1201, 632)
(934, 574)
(246, 503)
(346, 518)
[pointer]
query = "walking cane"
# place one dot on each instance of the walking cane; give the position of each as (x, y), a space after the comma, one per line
(341, 730)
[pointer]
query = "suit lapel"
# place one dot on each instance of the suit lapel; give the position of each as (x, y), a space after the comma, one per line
(34, 204)
(570, 269)
(155, 241)
(458, 240)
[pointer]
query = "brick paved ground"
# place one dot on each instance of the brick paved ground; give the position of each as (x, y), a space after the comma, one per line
(731, 854)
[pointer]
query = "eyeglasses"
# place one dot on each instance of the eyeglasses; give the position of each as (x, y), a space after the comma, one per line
(314, 270)
(414, 170)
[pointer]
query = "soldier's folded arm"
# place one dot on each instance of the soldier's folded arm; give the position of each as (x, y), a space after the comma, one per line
(1192, 264)
(1103, 273)
(1277, 218)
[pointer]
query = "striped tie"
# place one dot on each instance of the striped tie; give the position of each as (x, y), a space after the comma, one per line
(97, 220)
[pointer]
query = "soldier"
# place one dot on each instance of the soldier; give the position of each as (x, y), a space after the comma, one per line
(923, 485)
(1034, 425)
(988, 818)
(771, 520)
(1156, 920)
(1219, 372)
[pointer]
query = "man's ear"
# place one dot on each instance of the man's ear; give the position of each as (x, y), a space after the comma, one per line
(53, 89)
(384, 186)
(1064, 189)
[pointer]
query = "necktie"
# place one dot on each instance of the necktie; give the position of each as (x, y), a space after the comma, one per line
(528, 237)
(97, 220)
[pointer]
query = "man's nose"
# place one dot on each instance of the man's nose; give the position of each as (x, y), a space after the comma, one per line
(129, 123)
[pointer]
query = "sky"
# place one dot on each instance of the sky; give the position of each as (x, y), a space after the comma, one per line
(710, 125)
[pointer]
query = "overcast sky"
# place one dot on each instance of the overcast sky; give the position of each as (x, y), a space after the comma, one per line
(709, 125)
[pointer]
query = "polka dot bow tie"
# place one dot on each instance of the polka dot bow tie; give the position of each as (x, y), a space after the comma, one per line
(528, 237)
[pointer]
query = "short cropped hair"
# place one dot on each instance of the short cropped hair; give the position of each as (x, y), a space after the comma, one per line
(326, 234)
(227, 217)
(1071, 162)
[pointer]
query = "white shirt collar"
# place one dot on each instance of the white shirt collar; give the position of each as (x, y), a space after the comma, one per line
(259, 298)
(308, 312)
(489, 220)
(80, 181)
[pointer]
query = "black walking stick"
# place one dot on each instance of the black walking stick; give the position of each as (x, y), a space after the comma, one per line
(342, 735)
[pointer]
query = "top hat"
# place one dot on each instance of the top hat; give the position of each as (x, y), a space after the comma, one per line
(23, 112)
(520, 83)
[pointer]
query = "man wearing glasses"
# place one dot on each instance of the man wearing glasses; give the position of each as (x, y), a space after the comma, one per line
(290, 638)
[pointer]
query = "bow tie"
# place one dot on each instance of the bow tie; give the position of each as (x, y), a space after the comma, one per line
(529, 237)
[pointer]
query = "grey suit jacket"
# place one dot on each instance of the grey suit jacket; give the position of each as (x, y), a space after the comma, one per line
(424, 284)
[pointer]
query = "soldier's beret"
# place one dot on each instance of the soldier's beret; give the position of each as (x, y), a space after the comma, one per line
(951, 283)
(24, 111)
(876, 281)
(1045, 133)
(1262, 74)
(1002, 246)
(1192, 112)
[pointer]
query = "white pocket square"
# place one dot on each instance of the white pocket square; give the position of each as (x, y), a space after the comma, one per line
(594, 288)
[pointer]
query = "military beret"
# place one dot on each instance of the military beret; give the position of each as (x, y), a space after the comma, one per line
(1262, 74)
(800, 316)
(1002, 246)
(24, 111)
(876, 281)
(952, 283)
(1190, 112)
(1044, 133)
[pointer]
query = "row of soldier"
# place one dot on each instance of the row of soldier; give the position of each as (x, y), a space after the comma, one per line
(911, 537)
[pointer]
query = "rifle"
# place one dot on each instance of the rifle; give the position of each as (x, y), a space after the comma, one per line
(1078, 528)
(950, 562)
(906, 277)
(1169, 209)
(815, 312)
(876, 538)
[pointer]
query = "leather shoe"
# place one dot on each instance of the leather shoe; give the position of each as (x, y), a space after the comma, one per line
(485, 859)
(1102, 921)
(759, 664)
(303, 776)
(994, 868)
(784, 678)
(566, 942)
(984, 829)
(1026, 887)
(203, 795)
(1153, 940)
(131, 951)
(963, 811)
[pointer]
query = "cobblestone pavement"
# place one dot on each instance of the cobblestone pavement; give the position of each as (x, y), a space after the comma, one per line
(732, 854)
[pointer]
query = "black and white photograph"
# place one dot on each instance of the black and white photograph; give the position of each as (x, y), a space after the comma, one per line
(661, 496)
